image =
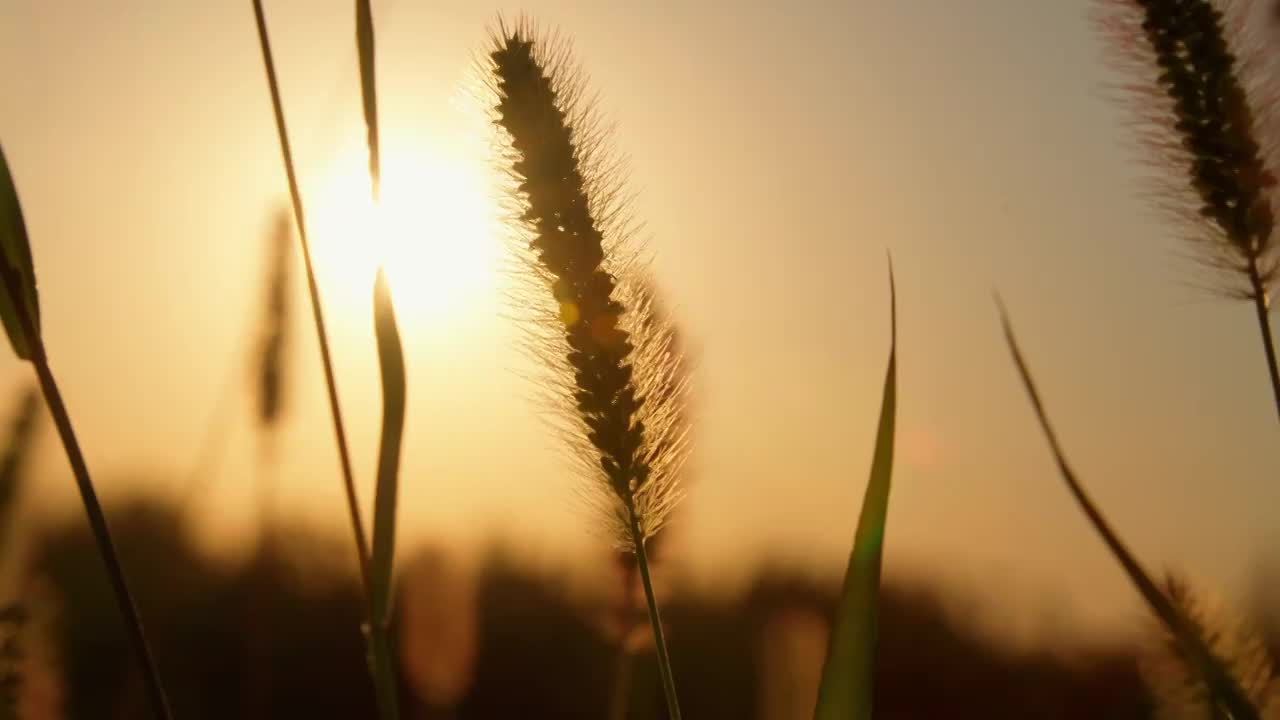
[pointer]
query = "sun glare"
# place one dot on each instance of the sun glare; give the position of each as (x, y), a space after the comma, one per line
(433, 232)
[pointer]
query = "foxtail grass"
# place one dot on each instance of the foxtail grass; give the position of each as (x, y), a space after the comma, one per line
(1224, 689)
(611, 362)
(20, 310)
(317, 312)
(657, 332)
(1205, 109)
(1178, 691)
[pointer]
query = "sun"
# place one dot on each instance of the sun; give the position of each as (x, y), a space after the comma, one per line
(433, 232)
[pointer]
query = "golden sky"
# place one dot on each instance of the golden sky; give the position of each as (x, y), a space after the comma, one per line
(777, 152)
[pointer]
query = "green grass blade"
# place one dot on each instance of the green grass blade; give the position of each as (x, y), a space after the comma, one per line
(15, 252)
(369, 90)
(845, 692)
(391, 362)
(1222, 685)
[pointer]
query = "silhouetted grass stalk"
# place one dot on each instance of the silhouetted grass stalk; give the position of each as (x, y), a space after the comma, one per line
(1212, 120)
(92, 506)
(369, 93)
(613, 368)
(1175, 684)
(392, 370)
(391, 364)
(20, 312)
(1262, 306)
(655, 618)
(322, 336)
(1224, 688)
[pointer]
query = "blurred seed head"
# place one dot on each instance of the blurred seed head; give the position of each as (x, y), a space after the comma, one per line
(274, 331)
(1177, 686)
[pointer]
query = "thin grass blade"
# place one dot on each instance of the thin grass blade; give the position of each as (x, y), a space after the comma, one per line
(15, 252)
(369, 91)
(21, 318)
(847, 676)
(391, 362)
(1223, 686)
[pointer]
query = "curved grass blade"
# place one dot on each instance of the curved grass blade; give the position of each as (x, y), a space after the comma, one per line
(847, 676)
(1226, 692)
(391, 362)
(15, 253)
(369, 91)
(21, 318)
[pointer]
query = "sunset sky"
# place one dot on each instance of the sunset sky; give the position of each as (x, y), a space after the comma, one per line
(776, 153)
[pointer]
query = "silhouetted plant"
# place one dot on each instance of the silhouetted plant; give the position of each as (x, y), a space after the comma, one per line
(317, 313)
(1225, 690)
(1206, 110)
(613, 361)
(20, 311)
(1179, 690)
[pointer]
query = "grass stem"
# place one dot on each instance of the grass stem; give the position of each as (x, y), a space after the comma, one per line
(92, 506)
(340, 435)
(101, 533)
(659, 638)
(1262, 304)
(384, 672)
(1225, 690)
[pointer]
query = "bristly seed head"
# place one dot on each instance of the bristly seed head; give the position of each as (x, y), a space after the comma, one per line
(570, 218)
(1210, 125)
(1177, 686)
